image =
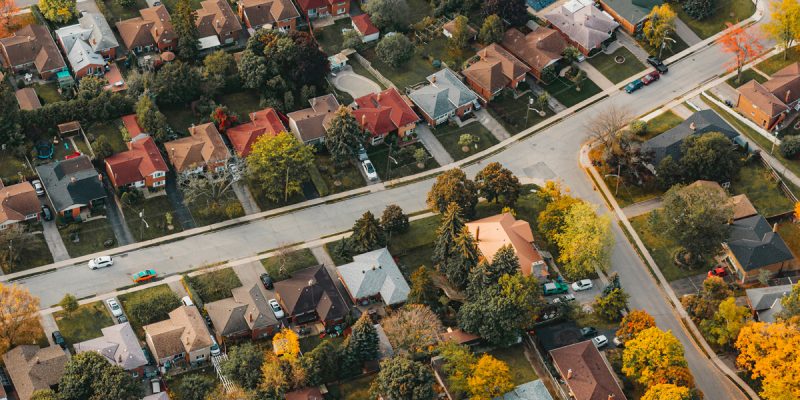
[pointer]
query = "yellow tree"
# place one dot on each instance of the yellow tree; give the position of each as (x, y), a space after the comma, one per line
(633, 323)
(784, 24)
(490, 378)
(280, 374)
(584, 242)
(18, 322)
(771, 352)
(286, 343)
(667, 391)
(727, 321)
(797, 211)
(659, 26)
(651, 355)
(59, 11)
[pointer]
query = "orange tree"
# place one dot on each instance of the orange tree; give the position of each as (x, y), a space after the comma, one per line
(742, 45)
(771, 352)
(633, 323)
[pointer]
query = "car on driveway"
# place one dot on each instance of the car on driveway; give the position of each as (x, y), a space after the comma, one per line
(101, 262)
(116, 310)
(47, 214)
(657, 64)
(59, 340)
(276, 309)
(369, 169)
(38, 187)
(634, 86)
(583, 284)
(122, 319)
(564, 299)
(651, 77)
(718, 271)
(600, 341)
(618, 342)
(267, 281)
(555, 288)
(144, 276)
(362, 154)
(589, 331)
(236, 174)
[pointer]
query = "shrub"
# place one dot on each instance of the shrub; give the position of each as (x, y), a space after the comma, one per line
(638, 127)
(790, 146)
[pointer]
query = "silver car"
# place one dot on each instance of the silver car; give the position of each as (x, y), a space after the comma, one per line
(276, 308)
(583, 284)
(116, 310)
(369, 169)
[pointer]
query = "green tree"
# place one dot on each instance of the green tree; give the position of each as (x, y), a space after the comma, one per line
(571, 54)
(791, 303)
(344, 136)
(460, 35)
(352, 40)
(389, 15)
(585, 241)
(395, 50)
(10, 130)
(89, 375)
(699, 9)
(650, 356)
(514, 12)
(445, 251)
(150, 118)
(102, 148)
(219, 63)
(495, 182)
(253, 70)
(505, 262)
(729, 319)
(459, 362)
(90, 87)
(452, 186)
(184, 21)
(68, 303)
(401, 378)
(423, 291)
(393, 219)
(196, 387)
(176, 83)
(279, 164)
(492, 30)
(784, 23)
(362, 344)
(709, 157)
(243, 365)
(611, 306)
(461, 260)
(58, 11)
(696, 217)
(44, 394)
(367, 234)
(325, 363)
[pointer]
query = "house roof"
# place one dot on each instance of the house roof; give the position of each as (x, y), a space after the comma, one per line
(135, 32)
(755, 245)
(157, 396)
(700, 123)
(364, 25)
(496, 68)
(27, 99)
(373, 273)
(131, 125)
(245, 311)
(742, 207)
(311, 289)
(160, 26)
(533, 390)
(767, 301)
(632, 11)
(92, 29)
(118, 345)
(215, 17)
(142, 159)
(69, 127)
(590, 378)
(184, 331)
(33, 44)
(311, 122)
(762, 98)
(492, 233)
(262, 122)
(384, 112)
(32, 368)
(203, 146)
(71, 183)
(774, 95)
(583, 23)
(449, 26)
(82, 56)
(537, 49)
(309, 393)
(306, 5)
(17, 201)
(444, 93)
(262, 12)
(459, 336)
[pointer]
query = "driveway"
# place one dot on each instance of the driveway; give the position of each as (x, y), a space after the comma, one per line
(116, 218)
(246, 198)
(53, 239)
(176, 199)
(433, 146)
(354, 84)
(686, 33)
(642, 207)
(500, 133)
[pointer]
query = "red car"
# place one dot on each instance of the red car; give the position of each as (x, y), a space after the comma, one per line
(651, 77)
(718, 271)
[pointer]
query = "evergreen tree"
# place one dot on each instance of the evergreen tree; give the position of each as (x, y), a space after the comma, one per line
(394, 220)
(362, 344)
(150, 118)
(452, 186)
(446, 235)
(463, 260)
(367, 234)
(10, 130)
(423, 291)
(492, 30)
(505, 261)
(343, 136)
(184, 21)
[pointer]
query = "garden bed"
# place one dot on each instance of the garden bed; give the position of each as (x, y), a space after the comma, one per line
(617, 72)
(92, 235)
(449, 134)
(296, 260)
(84, 323)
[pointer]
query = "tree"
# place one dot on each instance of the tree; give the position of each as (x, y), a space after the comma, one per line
(611, 306)
(450, 227)
(10, 130)
(243, 365)
(197, 387)
(633, 323)
(219, 63)
(729, 319)
(552, 219)
(58, 11)
(412, 329)
(459, 362)
(705, 304)
(89, 375)
(514, 12)
(279, 164)
(176, 83)
(44, 394)
(790, 146)
(490, 378)
(324, 363)
(389, 15)
(423, 291)
(102, 148)
(667, 391)
(504, 262)
(90, 87)
(660, 25)
(68, 303)
(8, 8)
(351, 39)
(253, 70)
(395, 50)
(401, 378)
(19, 323)
(709, 157)
(393, 220)
(784, 23)
(699, 9)
(494, 181)
(492, 30)
(744, 47)
(585, 241)
(460, 36)
(286, 344)
(571, 54)
(150, 118)
(152, 307)
(649, 356)
(362, 344)
(605, 125)
(452, 186)
(791, 303)
(344, 136)
(696, 217)
(184, 21)
(281, 374)
(235, 393)
(367, 234)
(769, 352)
(462, 258)
(223, 118)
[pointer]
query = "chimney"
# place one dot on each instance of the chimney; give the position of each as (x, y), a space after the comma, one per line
(72, 179)
(250, 316)
(775, 227)
(692, 126)
(786, 98)
(363, 119)
(379, 96)
(477, 233)
(569, 374)
(611, 396)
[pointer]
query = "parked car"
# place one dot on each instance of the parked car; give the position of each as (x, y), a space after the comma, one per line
(236, 175)
(116, 310)
(155, 385)
(589, 331)
(583, 284)
(38, 187)
(187, 301)
(600, 341)
(555, 288)
(657, 64)
(362, 153)
(101, 262)
(215, 350)
(651, 77)
(144, 276)
(122, 319)
(565, 298)
(267, 281)
(634, 86)
(276, 308)
(618, 342)
(369, 169)
(59, 340)
(46, 213)
(719, 270)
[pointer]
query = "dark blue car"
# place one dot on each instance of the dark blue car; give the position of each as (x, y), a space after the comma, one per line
(634, 86)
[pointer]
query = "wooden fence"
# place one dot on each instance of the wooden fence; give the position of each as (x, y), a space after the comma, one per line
(366, 64)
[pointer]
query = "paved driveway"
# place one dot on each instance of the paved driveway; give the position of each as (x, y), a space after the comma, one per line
(53, 239)
(354, 84)
(176, 199)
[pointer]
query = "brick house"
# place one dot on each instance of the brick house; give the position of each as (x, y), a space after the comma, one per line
(587, 375)
(73, 186)
(244, 315)
(444, 97)
(119, 346)
(151, 31)
(631, 14)
(270, 14)
(311, 295)
(497, 69)
(753, 246)
(32, 48)
(313, 9)
(768, 104)
(309, 124)
(18, 203)
(88, 44)
(217, 24)
(203, 150)
(142, 166)
(538, 49)
(365, 28)
(263, 122)
(381, 114)
(32, 368)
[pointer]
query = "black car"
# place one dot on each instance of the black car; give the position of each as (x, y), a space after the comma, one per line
(657, 64)
(589, 331)
(59, 340)
(46, 213)
(267, 281)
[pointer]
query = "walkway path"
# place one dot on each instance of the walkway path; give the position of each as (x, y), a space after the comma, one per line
(682, 111)
(433, 146)
(54, 241)
(116, 218)
(49, 326)
(642, 207)
(176, 199)
(552, 102)
(686, 33)
(246, 198)
(354, 84)
(596, 76)
(630, 44)
(497, 129)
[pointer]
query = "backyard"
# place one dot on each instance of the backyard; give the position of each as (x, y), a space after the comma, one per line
(415, 247)
(242, 103)
(84, 323)
(90, 236)
(790, 233)
(776, 62)
(181, 118)
(762, 189)
(330, 37)
(154, 211)
(415, 70)
(513, 113)
(290, 261)
(355, 389)
(514, 356)
(48, 93)
(179, 392)
(732, 11)
(11, 166)
(406, 165)
(120, 12)
(565, 92)
(662, 248)
(214, 285)
(614, 71)
(111, 130)
(449, 134)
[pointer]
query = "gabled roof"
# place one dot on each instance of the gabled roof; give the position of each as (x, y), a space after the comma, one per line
(263, 122)
(27, 99)
(17, 202)
(245, 311)
(262, 12)
(767, 301)
(583, 23)
(311, 122)
(142, 159)
(590, 377)
(537, 49)
(755, 245)
(82, 56)
(33, 44)
(71, 183)
(633, 11)
(32, 368)
(85, 40)
(700, 123)
(311, 289)
(216, 18)
(184, 331)
(492, 233)
(533, 390)
(449, 26)
(496, 68)
(119, 345)
(204, 146)
(774, 95)
(742, 207)
(364, 25)
(762, 98)
(306, 5)
(381, 113)
(444, 93)
(160, 23)
(373, 273)
(131, 125)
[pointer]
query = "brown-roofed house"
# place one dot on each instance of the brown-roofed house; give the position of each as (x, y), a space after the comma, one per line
(386, 112)
(313, 9)
(496, 69)
(184, 336)
(308, 124)
(586, 372)
(311, 294)
(492, 233)
(204, 149)
(538, 49)
(742, 207)
(32, 368)
(27, 99)
(217, 19)
(244, 315)
(32, 47)
(142, 166)
(263, 122)
(18, 203)
(153, 30)
(270, 14)
(769, 103)
(450, 26)
(459, 336)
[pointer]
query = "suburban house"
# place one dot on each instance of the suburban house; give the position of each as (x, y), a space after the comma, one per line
(142, 166)
(753, 246)
(460, 337)
(245, 315)
(444, 97)
(492, 233)
(386, 112)
(497, 69)
(18, 203)
(32, 368)
(152, 31)
(450, 26)
(313, 9)
(32, 48)
(765, 302)
(374, 276)
(73, 186)
(28, 99)
(586, 373)
(583, 25)
(183, 337)
(217, 24)
(262, 122)
(538, 49)
(700, 123)
(308, 124)
(310, 295)
(309, 393)
(769, 103)
(269, 14)
(631, 14)
(533, 390)
(88, 44)
(365, 28)
(742, 207)
(202, 150)
(119, 346)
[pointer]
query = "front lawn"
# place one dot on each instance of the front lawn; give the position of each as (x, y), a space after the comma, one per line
(662, 248)
(35, 253)
(90, 236)
(732, 11)
(242, 103)
(777, 63)
(758, 184)
(674, 48)
(330, 37)
(406, 165)
(280, 267)
(48, 93)
(125, 299)
(215, 285)
(747, 76)
(204, 215)
(449, 134)
(514, 356)
(513, 113)
(154, 211)
(415, 70)
(617, 72)
(631, 194)
(84, 323)
(355, 389)
(337, 178)
(660, 124)
(119, 12)
(564, 91)
(111, 130)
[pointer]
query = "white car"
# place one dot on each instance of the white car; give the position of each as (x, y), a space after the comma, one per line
(600, 341)
(236, 174)
(38, 187)
(101, 262)
(187, 301)
(369, 169)
(276, 308)
(583, 284)
(116, 310)
(618, 342)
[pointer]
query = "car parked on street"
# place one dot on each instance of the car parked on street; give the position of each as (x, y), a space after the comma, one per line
(144, 276)
(600, 341)
(583, 284)
(657, 64)
(276, 309)
(651, 77)
(634, 86)
(116, 310)
(369, 169)
(101, 262)
(46, 213)
(59, 340)
(719, 270)
(38, 187)
(267, 281)
(236, 174)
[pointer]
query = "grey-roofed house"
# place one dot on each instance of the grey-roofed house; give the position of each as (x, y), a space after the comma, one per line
(754, 246)
(631, 14)
(119, 346)
(244, 315)
(311, 294)
(533, 390)
(88, 44)
(372, 276)
(766, 302)
(73, 186)
(583, 25)
(700, 123)
(444, 97)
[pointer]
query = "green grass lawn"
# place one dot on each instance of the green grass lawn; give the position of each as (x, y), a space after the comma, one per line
(405, 165)
(614, 71)
(330, 37)
(266, 204)
(173, 382)
(11, 166)
(33, 254)
(630, 194)
(125, 299)
(203, 215)
(449, 133)
(661, 124)
(355, 389)
(309, 343)
(181, 118)
(416, 69)
(84, 323)
(732, 11)
(513, 113)
(514, 356)
(419, 9)
(48, 93)
(242, 103)
(747, 76)
(296, 260)
(776, 62)
(662, 248)
(564, 91)
(215, 285)
(337, 178)
(122, 13)
(757, 183)
(154, 210)
(91, 235)
(790, 233)
(111, 130)
(415, 247)
(674, 48)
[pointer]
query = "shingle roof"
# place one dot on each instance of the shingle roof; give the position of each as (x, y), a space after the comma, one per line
(262, 12)
(444, 93)
(71, 183)
(32, 368)
(742, 207)
(591, 377)
(245, 311)
(381, 113)
(774, 95)
(762, 98)
(161, 28)
(141, 160)
(364, 25)
(537, 49)
(18, 201)
(216, 18)
(767, 301)
(81, 56)
(375, 273)
(633, 10)
(492, 233)
(583, 23)
(85, 40)
(203, 146)
(311, 122)
(27, 99)
(533, 390)
(755, 245)
(496, 68)
(33, 44)
(118, 345)
(669, 142)
(263, 122)
(311, 289)
(184, 331)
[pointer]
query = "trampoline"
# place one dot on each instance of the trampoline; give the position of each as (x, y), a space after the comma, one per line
(538, 5)
(44, 150)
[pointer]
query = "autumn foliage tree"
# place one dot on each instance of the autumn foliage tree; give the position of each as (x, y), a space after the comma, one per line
(659, 26)
(726, 323)
(633, 323)
(490, 378)
(784, 23)
(742, 45)
(58, 11)
(279, 164)
(667, 391)
(770, 352)
(18, 316)
(584, 241)
(496, 182)
(453, 186)
(286, 343)
(652, 356)
(223, 118)
(412, 329)
(7, 10)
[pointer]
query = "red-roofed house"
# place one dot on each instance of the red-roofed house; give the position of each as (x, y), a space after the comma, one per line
(313, 9)
(386, 112)
(496, 69)
(131, 125)
(141, 166)
(261, 122)
(364, 26)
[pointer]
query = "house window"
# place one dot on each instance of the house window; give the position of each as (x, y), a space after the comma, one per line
(376, 140)
(158, 183)
(220, 168)
(158, 174)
